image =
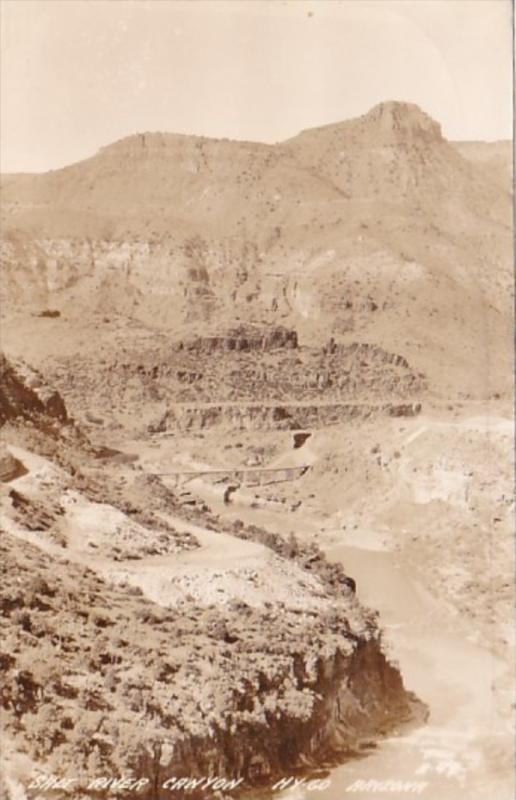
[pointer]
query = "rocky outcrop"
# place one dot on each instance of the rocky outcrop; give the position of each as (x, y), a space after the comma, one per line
(365, 352)
(360, 695)
(23, 393)
(234, 368)
(10, 467)
(243, 339)
(246, 692)
(300, 438)
(257, 416)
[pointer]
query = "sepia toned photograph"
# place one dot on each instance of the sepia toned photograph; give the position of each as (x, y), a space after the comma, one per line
(256, 400)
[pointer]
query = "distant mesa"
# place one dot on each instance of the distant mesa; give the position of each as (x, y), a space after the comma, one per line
(391, 120)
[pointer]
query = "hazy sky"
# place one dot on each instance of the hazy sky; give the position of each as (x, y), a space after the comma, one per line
(78, 74)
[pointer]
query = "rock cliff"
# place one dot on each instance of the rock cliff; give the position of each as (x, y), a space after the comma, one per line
(23, 393)
(218, 378)
(229, 699)
(250, 417)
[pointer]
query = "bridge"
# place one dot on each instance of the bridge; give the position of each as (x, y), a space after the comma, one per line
(247, 476)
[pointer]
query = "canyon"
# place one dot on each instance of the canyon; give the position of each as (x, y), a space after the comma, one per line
(294, 664)
(251, 396)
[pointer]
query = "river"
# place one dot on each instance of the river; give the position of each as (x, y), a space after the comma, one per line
(454, 755)
(463, 751)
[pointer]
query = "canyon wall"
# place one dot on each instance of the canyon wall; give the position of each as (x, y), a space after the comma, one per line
(23, 392)
(360, 697)
(269, 417)
(288, 689)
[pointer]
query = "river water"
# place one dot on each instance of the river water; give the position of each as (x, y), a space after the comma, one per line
(463, 751)
(457, 754)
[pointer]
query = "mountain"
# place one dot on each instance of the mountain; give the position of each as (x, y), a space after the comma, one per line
(375, 230)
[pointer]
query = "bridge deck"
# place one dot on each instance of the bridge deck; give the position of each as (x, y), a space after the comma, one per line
(301, 468)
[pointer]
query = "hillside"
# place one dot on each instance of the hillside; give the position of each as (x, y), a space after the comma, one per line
(496, 156)
(100, 576)
(371, 230)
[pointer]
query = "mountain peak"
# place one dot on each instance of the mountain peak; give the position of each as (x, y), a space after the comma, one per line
(402, 119)
(389, 123)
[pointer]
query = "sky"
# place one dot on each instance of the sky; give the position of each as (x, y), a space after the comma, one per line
(78, 74)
